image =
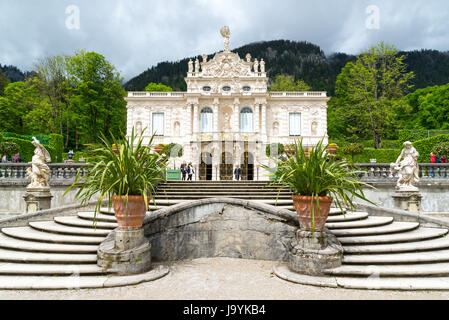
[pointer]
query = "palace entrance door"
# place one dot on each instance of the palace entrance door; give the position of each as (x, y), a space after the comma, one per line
(226, 166)
(247, 166)
(205, 169)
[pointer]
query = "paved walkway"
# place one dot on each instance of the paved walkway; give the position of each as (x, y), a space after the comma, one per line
(220, 278)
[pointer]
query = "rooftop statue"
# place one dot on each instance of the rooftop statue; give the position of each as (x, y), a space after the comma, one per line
(408, 168)
(226, 33)
(39, 172)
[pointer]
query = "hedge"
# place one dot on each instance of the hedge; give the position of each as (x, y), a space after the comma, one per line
(416, 135)
(381, 155)
(53, 143)
(27, 149)
(425, 146)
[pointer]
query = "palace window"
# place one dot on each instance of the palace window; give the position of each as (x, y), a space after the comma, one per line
(295, 124)
(226, 88)
(206, 120)
(246, 120)
(206, 88)
(246, 88)
(158, 124)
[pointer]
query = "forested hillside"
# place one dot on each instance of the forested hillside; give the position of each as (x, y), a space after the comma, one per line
(304, 61)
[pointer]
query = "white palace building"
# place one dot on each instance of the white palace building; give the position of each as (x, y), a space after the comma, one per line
(227, 117)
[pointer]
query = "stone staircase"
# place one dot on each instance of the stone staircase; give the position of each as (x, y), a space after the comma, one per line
(379, 252)
(60, 254)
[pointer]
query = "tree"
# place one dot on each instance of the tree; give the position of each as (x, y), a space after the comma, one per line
(158, 87)
(4, 81)
(287, 83)
(352, 149)
(20, 98)
(97, 96)
(369, 87)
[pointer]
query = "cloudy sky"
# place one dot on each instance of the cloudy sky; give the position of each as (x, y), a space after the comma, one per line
(137, 34)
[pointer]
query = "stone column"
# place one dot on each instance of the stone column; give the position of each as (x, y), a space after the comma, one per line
(264, 123)
(195, 120)
(236, 119)
(215, 119)
(256, 118)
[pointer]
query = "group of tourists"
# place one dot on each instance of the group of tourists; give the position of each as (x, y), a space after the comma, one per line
(188, 171)
(436, 159)
(15, 159)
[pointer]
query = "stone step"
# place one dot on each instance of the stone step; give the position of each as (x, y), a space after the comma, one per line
(349, 216)
(334, 212)
(406, 270)
(399, 258)
(395, 227)
(411, 236)
(28, 233)
(42, 257)
(366, 223)
(49, 269)
(83, 223)
(199, 196)
(433, 244)
(33, 246)
(53, 227)
(222, 193)
(87, 215)
(390, 283)
(73, 281)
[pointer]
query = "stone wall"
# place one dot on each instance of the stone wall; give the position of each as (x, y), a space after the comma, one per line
(12, 192)
(435, 194)
(221, 228)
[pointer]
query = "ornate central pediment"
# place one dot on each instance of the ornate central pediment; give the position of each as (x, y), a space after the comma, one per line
(226, 65)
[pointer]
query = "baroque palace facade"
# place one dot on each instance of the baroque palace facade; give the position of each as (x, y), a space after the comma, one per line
(227, 117)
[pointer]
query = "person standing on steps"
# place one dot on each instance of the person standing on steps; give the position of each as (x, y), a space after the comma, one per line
(237, 172)
(190, 171)
(183, 171)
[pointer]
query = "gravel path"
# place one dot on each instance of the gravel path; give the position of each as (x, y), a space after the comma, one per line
(221, 279)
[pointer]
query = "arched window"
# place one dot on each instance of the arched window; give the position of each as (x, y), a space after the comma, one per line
(206, 120)
(246, 120)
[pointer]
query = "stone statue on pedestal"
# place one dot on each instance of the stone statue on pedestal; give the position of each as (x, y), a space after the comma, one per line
(226, 33)
(190, 64)
(408, 168)
(262, 65)
(197, 65)
(256, 66)
(39, 171)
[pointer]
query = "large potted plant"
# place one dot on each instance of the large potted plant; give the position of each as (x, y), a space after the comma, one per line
(127, 177)
(316, 181)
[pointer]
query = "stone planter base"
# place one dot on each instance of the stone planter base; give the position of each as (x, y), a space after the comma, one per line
(311, 254)
(125, 252)
(407, 200)
(37, 198)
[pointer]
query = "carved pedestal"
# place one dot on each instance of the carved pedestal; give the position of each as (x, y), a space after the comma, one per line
(125, 252)
(311, 254)
(407, 200)
(37, 198)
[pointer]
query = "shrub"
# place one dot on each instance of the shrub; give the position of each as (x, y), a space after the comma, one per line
(381, 155)
(57, 144)
(280, 148)
(353, 149)
(172, 147)
(441, 149)
(416, 135)
(9, 148)
(425, 146)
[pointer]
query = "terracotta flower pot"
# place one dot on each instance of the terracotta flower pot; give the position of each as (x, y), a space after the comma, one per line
(332, 149)
(303, 210)
(133, 217)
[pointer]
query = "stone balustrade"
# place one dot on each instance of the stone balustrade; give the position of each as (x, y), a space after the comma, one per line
(58, 171)
(156, 94)
(383, 170)
(298, 94)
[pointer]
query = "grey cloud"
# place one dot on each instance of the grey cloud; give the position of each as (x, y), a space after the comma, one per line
(135, 35)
